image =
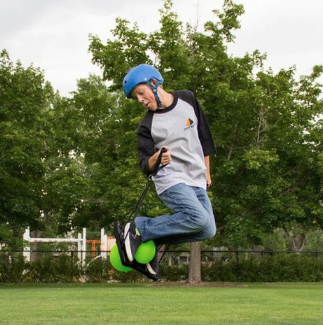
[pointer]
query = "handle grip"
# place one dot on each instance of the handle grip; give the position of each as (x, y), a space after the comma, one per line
(162, 150)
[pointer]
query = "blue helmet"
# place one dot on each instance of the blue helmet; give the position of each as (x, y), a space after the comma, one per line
(141, 74)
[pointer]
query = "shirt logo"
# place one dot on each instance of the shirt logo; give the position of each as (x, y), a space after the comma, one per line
(189, 124)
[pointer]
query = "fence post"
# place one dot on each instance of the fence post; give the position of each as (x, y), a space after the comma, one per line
(26, 237)
(104, 244)
(84, 246)
(237, 269)
(79, 247)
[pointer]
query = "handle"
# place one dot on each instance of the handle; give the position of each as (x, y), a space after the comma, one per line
(156, 169)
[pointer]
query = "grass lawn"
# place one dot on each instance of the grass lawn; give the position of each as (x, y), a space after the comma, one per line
(161, 304)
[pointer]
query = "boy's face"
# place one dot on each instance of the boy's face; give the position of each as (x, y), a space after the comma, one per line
(145, 96)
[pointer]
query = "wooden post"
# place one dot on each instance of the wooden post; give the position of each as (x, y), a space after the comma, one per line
(195, 263)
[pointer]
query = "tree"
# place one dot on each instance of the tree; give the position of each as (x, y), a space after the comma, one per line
(267, 127)
(176, 53)
(108, 143)
(195, 275)
(277, 182)
(24, 107)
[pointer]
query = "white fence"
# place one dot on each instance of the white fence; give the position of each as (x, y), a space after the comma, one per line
(80, 240)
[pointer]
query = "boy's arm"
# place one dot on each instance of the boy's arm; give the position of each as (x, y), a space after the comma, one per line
(166, 158)
(208, 174)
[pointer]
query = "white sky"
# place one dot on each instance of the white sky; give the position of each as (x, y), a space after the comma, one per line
(54, 35)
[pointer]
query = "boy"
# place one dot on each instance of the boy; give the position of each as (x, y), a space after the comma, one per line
(174, 121)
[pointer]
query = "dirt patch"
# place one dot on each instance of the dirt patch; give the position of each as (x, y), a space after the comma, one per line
(197, 285)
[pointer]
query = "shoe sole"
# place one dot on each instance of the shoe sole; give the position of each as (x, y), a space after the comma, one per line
(127, 243)
(150, 269)
(144, 269)
(118, 234)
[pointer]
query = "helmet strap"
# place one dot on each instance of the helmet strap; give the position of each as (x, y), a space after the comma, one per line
(154, 89)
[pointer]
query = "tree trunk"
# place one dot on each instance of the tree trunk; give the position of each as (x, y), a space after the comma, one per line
(298, 242)
(195, 263)
(297, 237)
(37, 234)
(35, 249)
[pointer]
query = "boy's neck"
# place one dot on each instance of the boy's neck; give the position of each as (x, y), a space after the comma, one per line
(166, 100)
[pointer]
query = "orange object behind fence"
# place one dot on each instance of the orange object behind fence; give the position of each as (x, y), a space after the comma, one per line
(94, 242)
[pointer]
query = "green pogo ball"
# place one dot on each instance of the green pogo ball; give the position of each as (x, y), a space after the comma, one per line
(145, 252)
(115, 260)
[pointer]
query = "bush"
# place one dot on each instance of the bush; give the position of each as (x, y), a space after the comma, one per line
(246, 267)
(11, 268)
(97, 270)
(174, 273)
(267, 268)
(53, 269)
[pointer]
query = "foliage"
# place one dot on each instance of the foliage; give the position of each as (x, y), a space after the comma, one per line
(267, 268)
(24, 108)
(97, 270)
(174, 273)
(267, 127)
(72, 163)
(237, 267)
(108, 142)
(53, 269)
(11, 268)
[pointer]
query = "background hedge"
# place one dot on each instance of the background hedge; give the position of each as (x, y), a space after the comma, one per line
(243, 268)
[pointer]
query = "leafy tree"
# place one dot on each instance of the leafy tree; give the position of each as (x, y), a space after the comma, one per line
(277, 182)
(24, 105)
(268, 166)
(180, 55)
(107, 125)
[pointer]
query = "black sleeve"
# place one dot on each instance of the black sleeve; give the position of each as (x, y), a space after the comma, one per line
(145, 144)
(204, 131)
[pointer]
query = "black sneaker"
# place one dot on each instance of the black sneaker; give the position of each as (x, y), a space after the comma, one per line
(132, 240)
(150, 270)
(119, 235)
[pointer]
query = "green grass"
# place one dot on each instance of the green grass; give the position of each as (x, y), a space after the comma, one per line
(274, 303)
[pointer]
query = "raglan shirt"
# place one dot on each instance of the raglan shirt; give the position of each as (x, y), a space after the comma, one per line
(184, 129)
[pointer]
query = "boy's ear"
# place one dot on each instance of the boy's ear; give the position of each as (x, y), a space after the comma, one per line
(153, 81)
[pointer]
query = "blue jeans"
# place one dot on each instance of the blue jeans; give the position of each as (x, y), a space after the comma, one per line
(192, 219)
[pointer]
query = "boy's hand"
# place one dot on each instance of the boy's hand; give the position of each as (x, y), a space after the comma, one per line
(166, 156)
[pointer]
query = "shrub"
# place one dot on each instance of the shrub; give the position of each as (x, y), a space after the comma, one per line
(11, 268)
(174, 273)
(97, 270)
(52, 269)
(267, 268)
(245, 267)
